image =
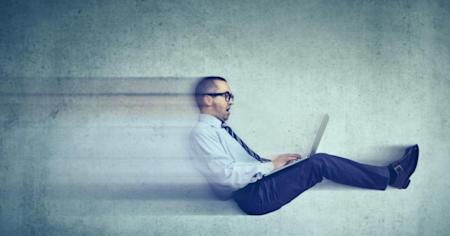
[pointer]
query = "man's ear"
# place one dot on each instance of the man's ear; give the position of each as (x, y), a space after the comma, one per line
(207, 101)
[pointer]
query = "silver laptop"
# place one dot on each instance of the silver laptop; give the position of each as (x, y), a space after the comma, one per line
(314, 146)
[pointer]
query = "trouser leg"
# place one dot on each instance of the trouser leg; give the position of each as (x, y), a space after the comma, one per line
(274, 191)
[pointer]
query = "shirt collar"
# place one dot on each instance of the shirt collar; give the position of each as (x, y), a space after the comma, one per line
(210, 120)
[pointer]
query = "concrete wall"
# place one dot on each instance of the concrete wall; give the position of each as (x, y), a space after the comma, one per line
(94, 111)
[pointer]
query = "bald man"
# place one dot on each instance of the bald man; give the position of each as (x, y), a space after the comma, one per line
(234, 170)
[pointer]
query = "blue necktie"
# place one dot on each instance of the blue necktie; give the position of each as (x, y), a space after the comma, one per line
(249, 151)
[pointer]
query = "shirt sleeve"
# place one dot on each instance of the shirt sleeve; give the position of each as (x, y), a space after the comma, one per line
(220, 168)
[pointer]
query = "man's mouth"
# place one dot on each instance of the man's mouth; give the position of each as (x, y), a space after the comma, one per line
(228, 109)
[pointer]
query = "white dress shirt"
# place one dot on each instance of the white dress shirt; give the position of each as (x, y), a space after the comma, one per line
(221, 159)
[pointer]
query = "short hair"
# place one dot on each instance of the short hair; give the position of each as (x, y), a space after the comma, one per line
(205, 85)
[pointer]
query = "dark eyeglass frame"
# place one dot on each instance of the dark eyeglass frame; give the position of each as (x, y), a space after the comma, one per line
(227, 95)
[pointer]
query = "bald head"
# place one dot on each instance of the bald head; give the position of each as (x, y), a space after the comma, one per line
(213, 97)
(206, 85)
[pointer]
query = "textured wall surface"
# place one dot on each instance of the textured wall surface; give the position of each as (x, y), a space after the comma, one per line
(94, 112)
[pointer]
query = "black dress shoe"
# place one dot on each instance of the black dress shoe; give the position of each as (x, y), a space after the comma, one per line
(405, 167)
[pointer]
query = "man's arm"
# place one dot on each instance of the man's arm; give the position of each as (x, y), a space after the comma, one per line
(221, 168)
(283, 159)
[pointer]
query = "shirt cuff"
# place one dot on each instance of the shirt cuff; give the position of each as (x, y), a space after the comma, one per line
(266, 168)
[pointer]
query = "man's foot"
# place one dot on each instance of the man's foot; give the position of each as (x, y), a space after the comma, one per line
(402, 169)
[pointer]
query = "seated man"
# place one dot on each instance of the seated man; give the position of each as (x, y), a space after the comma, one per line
(233, 170)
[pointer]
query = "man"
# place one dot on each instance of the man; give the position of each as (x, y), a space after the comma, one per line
(235, 171)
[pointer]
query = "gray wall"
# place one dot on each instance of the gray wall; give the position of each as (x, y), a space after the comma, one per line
(94, 111)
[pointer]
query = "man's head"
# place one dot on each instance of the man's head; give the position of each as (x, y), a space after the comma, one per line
(213, 96)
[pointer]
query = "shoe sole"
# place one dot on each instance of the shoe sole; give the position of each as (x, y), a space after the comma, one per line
(406, 184)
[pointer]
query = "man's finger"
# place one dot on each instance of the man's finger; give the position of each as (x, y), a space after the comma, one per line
(292, 154)
(296, 155)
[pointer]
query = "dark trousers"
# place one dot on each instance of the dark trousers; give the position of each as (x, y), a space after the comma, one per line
(272, 192)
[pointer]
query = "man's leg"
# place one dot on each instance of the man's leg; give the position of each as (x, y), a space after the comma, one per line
(274, 191)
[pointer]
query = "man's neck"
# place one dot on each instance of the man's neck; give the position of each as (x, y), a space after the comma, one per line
(209, 114)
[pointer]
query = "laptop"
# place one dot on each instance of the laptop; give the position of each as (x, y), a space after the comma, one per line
(314, 146)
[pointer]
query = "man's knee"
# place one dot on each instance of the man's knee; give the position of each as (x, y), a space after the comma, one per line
(321, 154)
(320, 161)
(318, 156)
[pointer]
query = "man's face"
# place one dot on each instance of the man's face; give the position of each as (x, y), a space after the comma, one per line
(220, 107)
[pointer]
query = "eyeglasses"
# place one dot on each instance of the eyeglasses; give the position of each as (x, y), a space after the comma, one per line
(227, 95)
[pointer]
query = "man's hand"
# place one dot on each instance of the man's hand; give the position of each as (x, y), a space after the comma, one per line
(282, 159)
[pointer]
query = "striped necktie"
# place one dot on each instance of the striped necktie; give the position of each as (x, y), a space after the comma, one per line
(249, 151)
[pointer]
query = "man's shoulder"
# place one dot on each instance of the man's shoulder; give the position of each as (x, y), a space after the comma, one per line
(204, 131)
(203, 128)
